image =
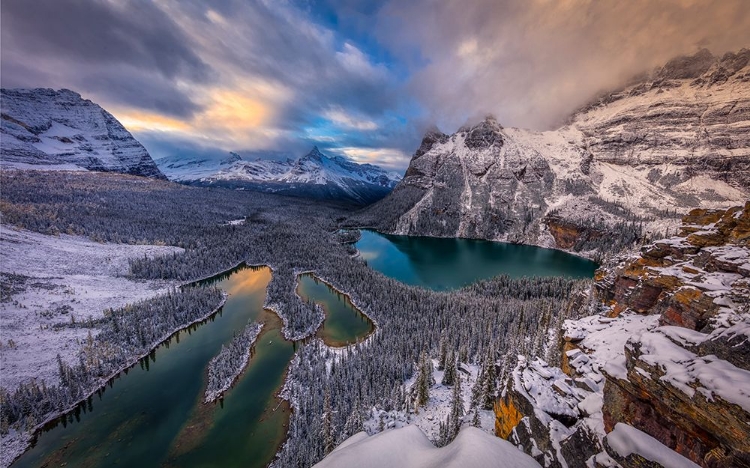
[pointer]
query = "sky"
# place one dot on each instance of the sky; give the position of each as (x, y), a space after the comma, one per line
(358, 78)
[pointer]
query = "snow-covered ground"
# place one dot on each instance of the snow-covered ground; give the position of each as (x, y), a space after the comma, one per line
(69, 278)
(409, 447)
(627, 440)
(438, 407)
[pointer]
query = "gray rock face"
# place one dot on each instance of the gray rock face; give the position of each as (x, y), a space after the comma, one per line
(669, 143)
(44, 128)
(695, 114)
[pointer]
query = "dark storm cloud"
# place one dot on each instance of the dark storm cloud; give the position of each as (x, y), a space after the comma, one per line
(99, 46)
(532, 62)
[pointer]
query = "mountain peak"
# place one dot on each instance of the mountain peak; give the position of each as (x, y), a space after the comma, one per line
(50, 128)
(314, 155)
(687, 66)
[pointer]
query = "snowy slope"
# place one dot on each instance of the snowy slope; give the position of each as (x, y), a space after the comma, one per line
(409, 447)
(48, 129)
(66, 276)
(676, 141)
(315, 174)
(181, 169)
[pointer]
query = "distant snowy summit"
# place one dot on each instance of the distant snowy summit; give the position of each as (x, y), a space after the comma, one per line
(314, 175)
(47, 129)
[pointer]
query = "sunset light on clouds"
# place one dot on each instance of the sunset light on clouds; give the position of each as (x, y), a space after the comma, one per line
(358, 78)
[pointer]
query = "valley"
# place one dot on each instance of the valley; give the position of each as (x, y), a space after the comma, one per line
(234, 234)
(318, 247)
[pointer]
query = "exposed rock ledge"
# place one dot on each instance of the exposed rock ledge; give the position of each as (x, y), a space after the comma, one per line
(661, 376)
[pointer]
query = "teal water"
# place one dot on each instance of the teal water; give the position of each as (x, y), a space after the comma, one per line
(154, 415)
(341, 326)
(445, 264)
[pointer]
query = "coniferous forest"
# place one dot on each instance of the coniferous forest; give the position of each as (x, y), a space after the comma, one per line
(488, 323)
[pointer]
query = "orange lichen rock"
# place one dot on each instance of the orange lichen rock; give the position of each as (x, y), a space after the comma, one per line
(507, 417)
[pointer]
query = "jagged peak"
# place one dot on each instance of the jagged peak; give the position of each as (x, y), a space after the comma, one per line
(432, 135)
(489, 121)
(314, 154)
(686, 66)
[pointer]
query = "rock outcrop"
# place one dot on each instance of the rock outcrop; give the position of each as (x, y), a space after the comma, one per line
(48, 129)
(661, 376)
(623, 166)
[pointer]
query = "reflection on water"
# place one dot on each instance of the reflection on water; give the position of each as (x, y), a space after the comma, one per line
(444, 264)
(344, 323)
(153, 414)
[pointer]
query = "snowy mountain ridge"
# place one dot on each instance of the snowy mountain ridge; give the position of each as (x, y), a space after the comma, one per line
(678, 140)
(48, 129)
(314, 174)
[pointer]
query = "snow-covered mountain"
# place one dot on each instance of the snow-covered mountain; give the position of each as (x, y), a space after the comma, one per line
(313, 175)
(48, 129)
(678, 140)
(181, 169)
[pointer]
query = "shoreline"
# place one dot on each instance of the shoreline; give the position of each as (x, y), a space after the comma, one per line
(588, 255)
(32, 434)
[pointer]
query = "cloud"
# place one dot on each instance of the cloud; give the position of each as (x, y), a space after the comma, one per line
(532, 62)
(343, 119)
(359, 78)
(387, 158)
(121, 50)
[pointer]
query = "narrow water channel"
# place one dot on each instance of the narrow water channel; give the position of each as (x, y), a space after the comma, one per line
(344, 323)
(153, 414)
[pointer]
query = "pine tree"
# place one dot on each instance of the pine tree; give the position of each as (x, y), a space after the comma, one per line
(449, 376)
(443, 353)
(487, 398)
(455, 418)
(423, 381)
(327, 429)
(475, 421)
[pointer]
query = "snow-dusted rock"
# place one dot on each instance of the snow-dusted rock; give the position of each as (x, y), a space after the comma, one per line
(48, 129)
(675, 141)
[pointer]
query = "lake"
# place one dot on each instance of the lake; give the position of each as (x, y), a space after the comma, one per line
(445, 264)
(153, 414)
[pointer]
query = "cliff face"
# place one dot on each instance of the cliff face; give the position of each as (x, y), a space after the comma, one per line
(666, 362)
(48, 129)
(678, 140)
(694, 110)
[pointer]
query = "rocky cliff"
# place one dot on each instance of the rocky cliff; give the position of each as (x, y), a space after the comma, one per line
(677, 140)
(661, 375)
(48, 129)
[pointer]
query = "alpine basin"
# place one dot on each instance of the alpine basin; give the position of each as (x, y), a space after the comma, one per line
(445, 264)
(153, 414)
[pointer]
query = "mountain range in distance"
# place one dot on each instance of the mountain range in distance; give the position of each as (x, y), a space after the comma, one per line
(669, 142)
(314, 175)
(45, 129)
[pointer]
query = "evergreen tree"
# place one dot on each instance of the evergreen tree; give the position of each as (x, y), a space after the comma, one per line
(327, 429)
(449, 376)
(443, 353)
(455, 418)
